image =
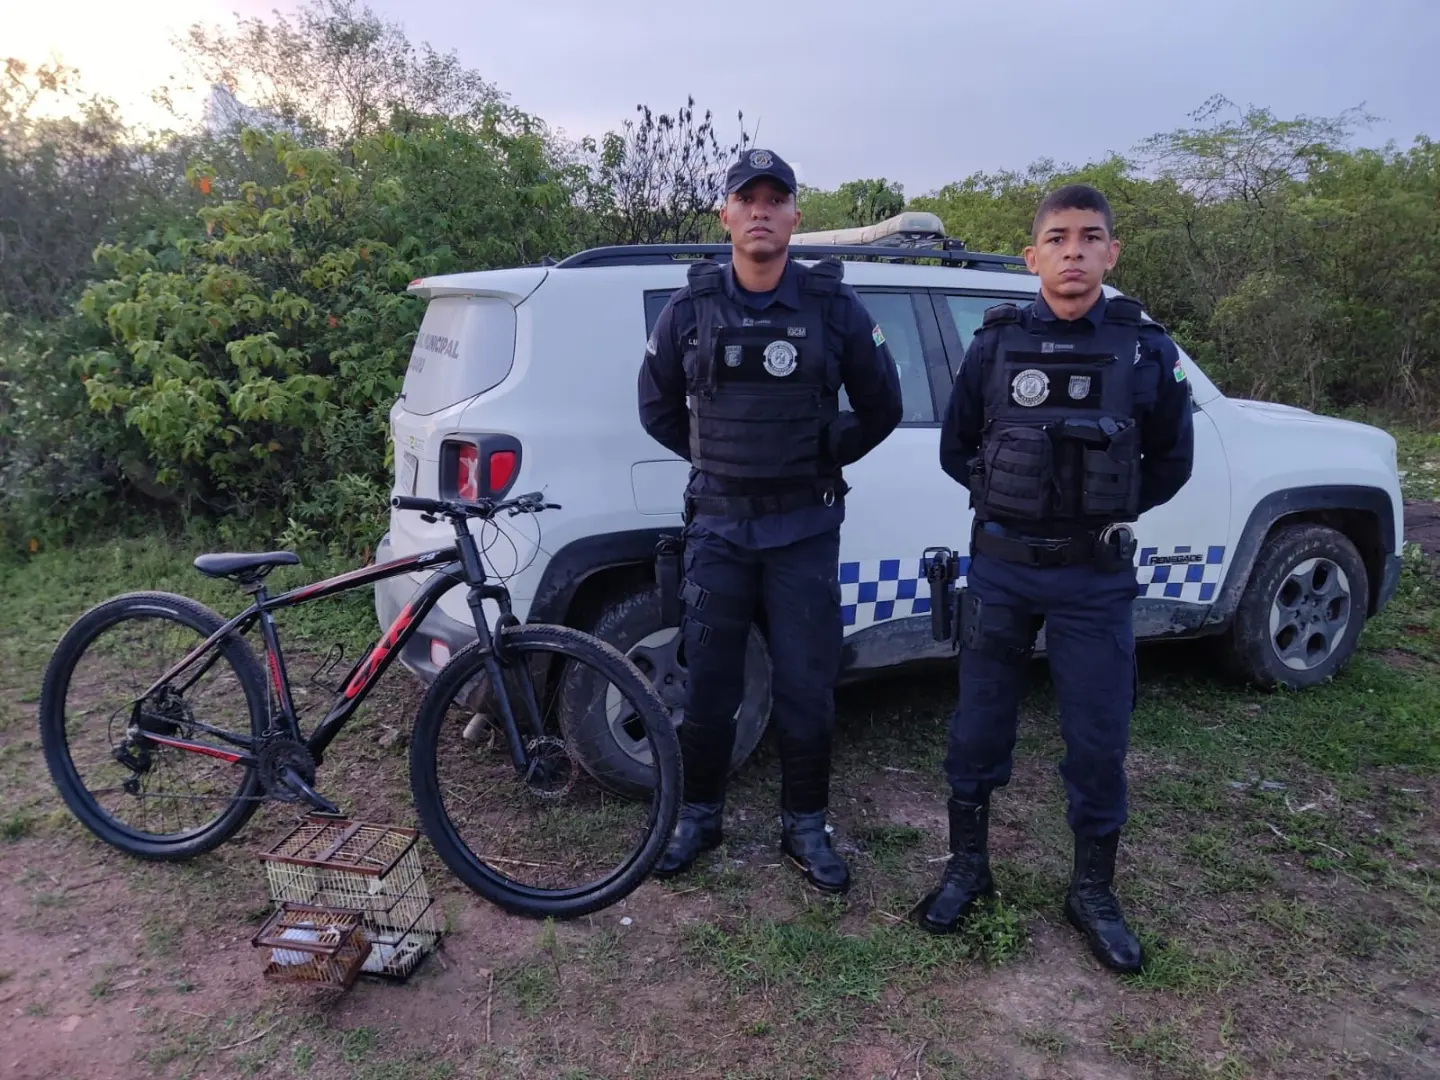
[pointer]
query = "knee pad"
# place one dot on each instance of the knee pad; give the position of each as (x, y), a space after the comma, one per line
(1002, 633)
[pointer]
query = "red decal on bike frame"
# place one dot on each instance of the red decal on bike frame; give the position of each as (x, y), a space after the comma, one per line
(275, 675)
(195, 748)
(349, 576)
(379, 652)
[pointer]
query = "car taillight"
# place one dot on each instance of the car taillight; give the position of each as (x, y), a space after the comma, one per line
(501, 469)
(467, 472)
(478, 467)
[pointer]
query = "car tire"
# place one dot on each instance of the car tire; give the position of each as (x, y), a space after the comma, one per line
(631, 622)
(1303, 610)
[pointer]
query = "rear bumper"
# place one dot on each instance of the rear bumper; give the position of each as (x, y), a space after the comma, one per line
(1389, 581)
(438, 630)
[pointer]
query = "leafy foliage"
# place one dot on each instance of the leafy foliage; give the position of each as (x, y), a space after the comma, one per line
(335, 74)
(213, 321)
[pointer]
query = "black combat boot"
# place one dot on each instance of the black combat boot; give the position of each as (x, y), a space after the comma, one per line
(697, 829)
(804, 839)
(1093, 908)
(967, 874)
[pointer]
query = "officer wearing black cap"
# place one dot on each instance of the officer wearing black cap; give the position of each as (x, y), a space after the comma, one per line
(761, 347)
(1070, 417)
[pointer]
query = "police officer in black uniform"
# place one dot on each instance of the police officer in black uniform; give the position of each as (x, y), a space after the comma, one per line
(762, 347)
(1069, 417)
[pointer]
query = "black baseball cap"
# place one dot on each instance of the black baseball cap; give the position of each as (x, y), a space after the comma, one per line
(754, 164)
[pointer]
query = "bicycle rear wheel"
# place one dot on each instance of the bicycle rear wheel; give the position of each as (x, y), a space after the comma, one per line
(513, 838)
(147, 799)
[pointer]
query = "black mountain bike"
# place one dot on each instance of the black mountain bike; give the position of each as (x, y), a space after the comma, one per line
(497, 698)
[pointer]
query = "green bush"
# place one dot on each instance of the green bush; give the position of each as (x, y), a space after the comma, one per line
(258, 360)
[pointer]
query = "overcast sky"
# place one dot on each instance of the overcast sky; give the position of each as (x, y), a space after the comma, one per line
(926, 92)
(920, 92)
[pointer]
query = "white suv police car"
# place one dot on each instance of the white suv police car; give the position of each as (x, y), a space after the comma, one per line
(1286, 538)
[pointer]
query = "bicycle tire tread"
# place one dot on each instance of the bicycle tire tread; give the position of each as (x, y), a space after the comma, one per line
(50, 717)
(611, 663)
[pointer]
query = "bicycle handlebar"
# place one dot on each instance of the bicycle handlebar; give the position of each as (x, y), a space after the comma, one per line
(530, 503)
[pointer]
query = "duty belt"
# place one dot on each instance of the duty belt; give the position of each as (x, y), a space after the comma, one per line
(1037, 551)
(1110, 548)
(742, 506)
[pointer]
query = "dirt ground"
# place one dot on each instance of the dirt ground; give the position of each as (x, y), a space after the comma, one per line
(1272, 955)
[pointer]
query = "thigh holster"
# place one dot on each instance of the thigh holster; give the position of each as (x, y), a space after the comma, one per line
(1001, 633)
(713, 614)
(668, 554)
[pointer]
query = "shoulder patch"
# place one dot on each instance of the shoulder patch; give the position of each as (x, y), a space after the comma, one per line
(1179, 370)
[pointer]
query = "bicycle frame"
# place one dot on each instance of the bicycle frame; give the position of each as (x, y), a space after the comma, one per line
(450, 568)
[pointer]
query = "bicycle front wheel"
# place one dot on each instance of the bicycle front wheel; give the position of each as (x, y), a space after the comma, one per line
(548, 841)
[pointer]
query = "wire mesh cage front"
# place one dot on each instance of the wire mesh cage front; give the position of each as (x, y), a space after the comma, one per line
(364, 867)
(315, 945)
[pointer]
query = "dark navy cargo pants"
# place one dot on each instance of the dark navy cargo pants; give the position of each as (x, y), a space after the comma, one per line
(797, 586)
(1090, 646)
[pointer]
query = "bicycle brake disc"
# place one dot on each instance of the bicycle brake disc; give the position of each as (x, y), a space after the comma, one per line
(552, 770)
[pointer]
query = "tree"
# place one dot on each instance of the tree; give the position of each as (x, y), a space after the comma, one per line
(854, 203)
(661, 178)
(337, 74)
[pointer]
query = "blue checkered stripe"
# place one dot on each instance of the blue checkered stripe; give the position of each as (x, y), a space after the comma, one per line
(874, 590)
(1181, 573)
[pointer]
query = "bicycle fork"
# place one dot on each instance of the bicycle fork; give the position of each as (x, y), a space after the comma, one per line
(492, 649)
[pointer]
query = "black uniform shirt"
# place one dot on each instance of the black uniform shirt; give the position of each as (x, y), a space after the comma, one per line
(867, 371)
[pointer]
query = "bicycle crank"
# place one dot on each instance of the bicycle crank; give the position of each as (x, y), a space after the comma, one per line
(287, 773)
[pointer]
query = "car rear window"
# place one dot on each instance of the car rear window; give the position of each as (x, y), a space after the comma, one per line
(466, 345)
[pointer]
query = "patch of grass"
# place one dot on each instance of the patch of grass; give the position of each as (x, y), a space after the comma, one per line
(1220, 857)
(1160, 1048)
(535, 988)
(357, 1044)
(822, 968)
(1049, 1043)
(603, 954)
(1418, 454)
(47, 591)
(16, 826)
(890, 846)
(1173, 966)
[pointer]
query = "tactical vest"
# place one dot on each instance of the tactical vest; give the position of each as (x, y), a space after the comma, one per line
(1060, 443)
(761, 397)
